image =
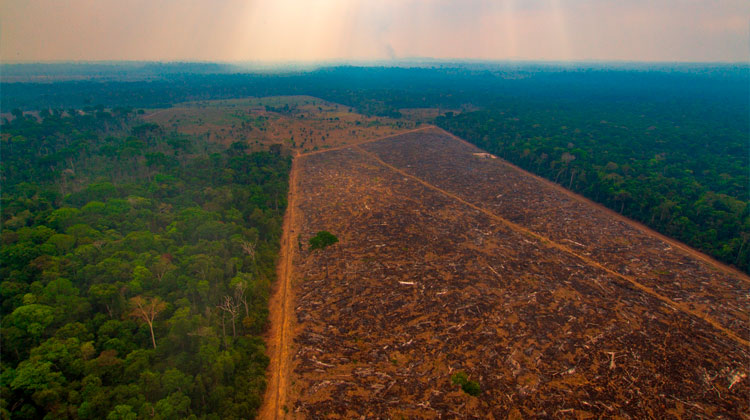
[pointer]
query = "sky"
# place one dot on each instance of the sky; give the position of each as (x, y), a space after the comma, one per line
(325, 30)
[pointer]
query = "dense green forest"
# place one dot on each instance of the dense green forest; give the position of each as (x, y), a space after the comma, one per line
(135, 269)
(376, 90)
(680, 168)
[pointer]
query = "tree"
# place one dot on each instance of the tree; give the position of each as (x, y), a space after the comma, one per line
(231, 306)
(104, 294)
(33, 319)
(321, 241)
(147, 309)
(161, 267)
(249, 248)
(239, 293)
(122, 412)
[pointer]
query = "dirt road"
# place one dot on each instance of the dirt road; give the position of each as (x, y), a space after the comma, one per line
(331, 149)
(153, 114)
(280, 305)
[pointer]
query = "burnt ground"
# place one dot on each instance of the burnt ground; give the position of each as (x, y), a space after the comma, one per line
(449, 262)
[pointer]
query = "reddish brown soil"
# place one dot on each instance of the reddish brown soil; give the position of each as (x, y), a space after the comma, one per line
(302, 123)
(453, 262)
(280, 318)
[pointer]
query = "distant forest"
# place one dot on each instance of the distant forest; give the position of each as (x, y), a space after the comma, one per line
(135, 269)
(375, 90)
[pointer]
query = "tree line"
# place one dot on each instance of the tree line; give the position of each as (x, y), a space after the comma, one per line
(681, 169)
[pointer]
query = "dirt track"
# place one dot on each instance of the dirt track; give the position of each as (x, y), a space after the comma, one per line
(280, 304)
(450, 262)
(359, 143)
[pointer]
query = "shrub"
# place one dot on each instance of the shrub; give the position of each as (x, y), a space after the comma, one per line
(470, 387)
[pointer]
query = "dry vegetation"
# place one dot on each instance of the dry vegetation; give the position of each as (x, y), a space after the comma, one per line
(450, 261)
(301, 123)
(427, 115)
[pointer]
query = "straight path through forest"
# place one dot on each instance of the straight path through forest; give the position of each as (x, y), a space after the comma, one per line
(280, 315)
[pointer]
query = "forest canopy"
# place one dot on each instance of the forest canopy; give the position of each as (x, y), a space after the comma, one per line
(136, 267)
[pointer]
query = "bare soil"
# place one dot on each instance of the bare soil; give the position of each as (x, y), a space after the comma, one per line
(278, 337)
(449, 261)
(299, 123)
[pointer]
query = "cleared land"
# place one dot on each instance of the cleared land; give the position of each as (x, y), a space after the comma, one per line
(451, 261)
(301, 123)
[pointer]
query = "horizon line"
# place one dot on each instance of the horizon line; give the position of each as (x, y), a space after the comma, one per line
(395, 61)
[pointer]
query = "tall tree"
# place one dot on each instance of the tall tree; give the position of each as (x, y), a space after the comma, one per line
(147, 309)
(232, 307)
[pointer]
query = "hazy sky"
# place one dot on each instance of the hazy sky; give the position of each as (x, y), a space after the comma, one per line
(302, 30)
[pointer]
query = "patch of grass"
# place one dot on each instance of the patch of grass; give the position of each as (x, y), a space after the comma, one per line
(470, 387)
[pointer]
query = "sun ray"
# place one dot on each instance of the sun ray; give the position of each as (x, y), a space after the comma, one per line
(561, 30)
